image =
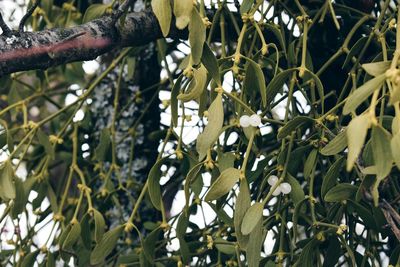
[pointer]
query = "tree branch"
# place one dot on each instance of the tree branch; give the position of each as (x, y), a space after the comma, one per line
(41, 50)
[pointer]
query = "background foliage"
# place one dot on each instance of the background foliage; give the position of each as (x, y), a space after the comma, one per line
(84, 154)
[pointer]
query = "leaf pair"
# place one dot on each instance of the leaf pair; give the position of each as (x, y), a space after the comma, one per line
(249, 225)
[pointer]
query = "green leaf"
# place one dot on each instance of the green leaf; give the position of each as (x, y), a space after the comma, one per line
(376, 68)
(22, 190)
(72, 236)
(45, 142)
(336, 145)
(191, 176)
(362, 93)
(297, 193)
(101, 150)
(245, 6)
(223, 246)
(253, 251)
(310, 163)
(308, 255)
(163, 11)
(272, 27)
(355, 50)
(50, 261)
(380, 144)
(277, 83)
(341, 192)
(197, 85)
(356, 133)
(293, 125)
(334, 252)
(94, 11)
(396, 124)
(252, 217)
(221, 214)
(7, 185)
(174, 100)
(106, 245)
(211, 132)
(320, 87)
(330, 179)
(99, 225)
(395, 147)
(255, 80)
(210, 62)
(86, 233)
(182, 12)
(223, 184)
(197, 36)
(226, 160)
(181, 228)
(30, 259)
(241, 206)
(154, 183)
(297, 210)
(364, 214)
(149, 244)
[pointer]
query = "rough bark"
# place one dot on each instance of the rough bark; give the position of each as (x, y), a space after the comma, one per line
(41, 50)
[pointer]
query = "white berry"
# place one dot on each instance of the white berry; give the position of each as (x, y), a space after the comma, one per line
(272, 180)
(277, 191)
(286, 188)
(255, 120)
(244, 121)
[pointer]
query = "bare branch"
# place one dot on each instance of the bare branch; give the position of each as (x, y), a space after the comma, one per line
(44, 49)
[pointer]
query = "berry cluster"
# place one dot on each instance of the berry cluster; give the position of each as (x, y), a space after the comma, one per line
(253, 120)
(284, 188)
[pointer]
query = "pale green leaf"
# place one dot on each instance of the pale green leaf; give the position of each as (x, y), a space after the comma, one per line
(106, 245)
(7, 185)
(256, 238)
(336, 145)
(356, 134)
(101, 150)
(211, 132)
(310, 163)
(174, 100)
(99, 225)
(163, 11)
(72, 236)
(376, 68)
(223, 184)
(362, 93)
(242, 204)
(341, 192)
(210, 62)
(197, 36)
(44, 141)
(330, 178)
(395, 146)
(381, 151)
(251, 218)
(293, 125)
(255, 80)
(197, 85)
(182, 12)
(94, 11)
(154, 183)
(277, 83)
